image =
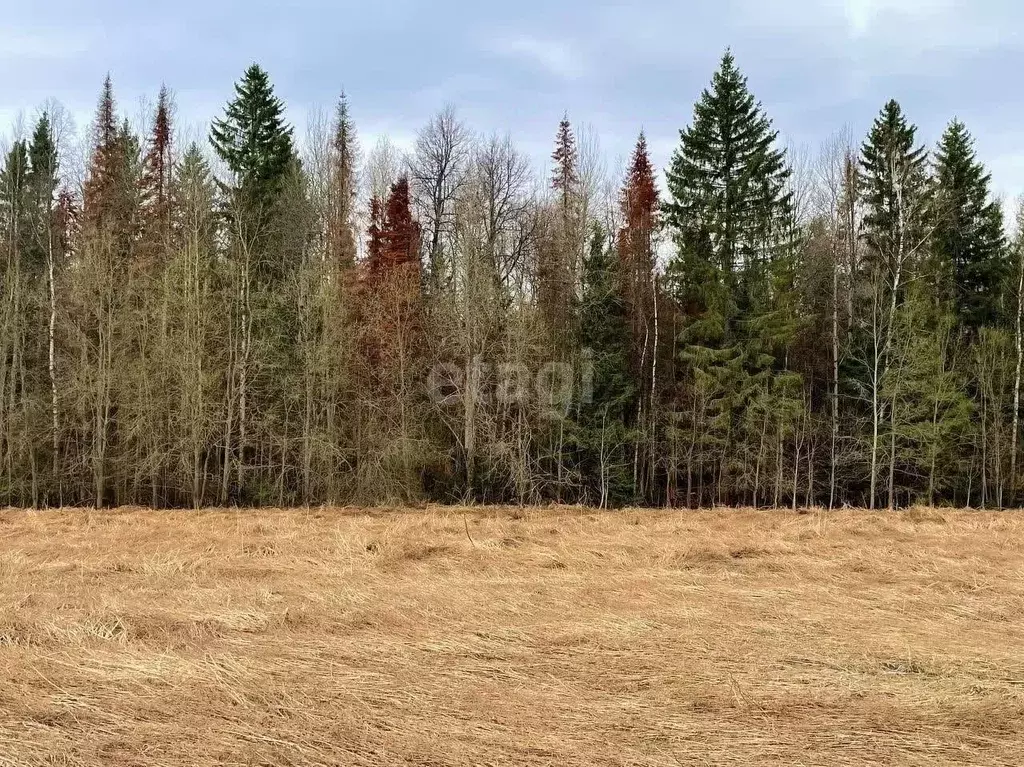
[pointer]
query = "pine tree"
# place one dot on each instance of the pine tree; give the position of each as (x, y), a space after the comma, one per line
(601, 433)
(968, 241)
(253, 139)
(727, 180)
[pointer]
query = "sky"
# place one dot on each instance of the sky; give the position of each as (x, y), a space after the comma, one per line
(817, 67)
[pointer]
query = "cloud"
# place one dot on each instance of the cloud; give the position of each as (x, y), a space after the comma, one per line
(59, 45)
(554, 57)
(920, 24)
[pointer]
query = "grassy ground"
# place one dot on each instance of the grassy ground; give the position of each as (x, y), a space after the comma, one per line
(505, 637)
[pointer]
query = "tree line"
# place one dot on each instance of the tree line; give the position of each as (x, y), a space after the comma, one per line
(264, 321)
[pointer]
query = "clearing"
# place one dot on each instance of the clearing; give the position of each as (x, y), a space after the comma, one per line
(494, 636)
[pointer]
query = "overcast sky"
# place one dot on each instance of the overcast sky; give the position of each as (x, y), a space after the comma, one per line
(620, 67)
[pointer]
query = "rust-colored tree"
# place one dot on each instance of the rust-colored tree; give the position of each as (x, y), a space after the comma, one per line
(639, 204)
(104, 173)
(394, 236)
(154, 185)
(401, 232)
(100, 294)
(390, 324)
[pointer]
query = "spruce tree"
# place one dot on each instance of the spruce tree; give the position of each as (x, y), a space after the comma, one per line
(926, 389)
(192, 186)
(341, 241)
(895, 192)
(565, 175)
(968, 241)
(46, 255)
(728, 180)
(111, 191)
(639, 206)
(42, 182)
(42, 154)
(14, 175)
(253, 139)
(401, 234)
(556, 258)
(256, 145)
(157, 167)
(638, 202)
(602, 435)
(731, 214)
(105, 172)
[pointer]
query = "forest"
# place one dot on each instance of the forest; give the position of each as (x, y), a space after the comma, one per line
(264, 319)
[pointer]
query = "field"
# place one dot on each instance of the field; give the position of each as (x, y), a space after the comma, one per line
(511, 637)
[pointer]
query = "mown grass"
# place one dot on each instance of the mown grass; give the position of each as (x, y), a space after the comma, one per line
(496, 636)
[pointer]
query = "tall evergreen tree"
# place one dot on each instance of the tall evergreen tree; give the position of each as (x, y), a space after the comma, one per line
(601, 433)
(394, 234)
(731, 213)
(968, 241)
(896, 195)
(728, 180)
(111, 192)
(16, 467)
(253, 139)
(555, 260)
(14, 176)
(638, 202)
(157, 168)
(195, 379)
(565, 175)
(43, 167)
(47, 255)
(639, 206)
(105, 174)
(895, 191)
(341, 241)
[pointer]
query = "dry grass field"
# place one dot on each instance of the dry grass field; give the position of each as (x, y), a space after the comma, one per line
(504, 637)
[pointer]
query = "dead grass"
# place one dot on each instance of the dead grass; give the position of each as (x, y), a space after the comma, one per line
(562, 637)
